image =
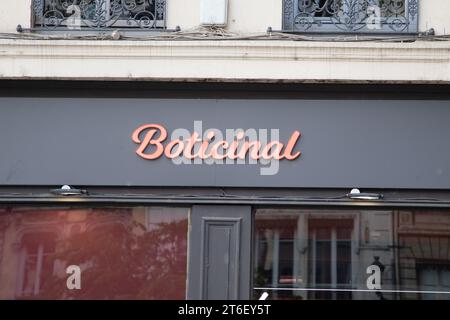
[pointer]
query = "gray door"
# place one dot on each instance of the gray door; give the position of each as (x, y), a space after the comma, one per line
(219, 252)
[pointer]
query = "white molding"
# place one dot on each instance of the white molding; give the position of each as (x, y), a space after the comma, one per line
(265, 60)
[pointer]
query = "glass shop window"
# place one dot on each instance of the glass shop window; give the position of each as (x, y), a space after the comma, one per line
(121, 253)
(434, 276)
(352, 254)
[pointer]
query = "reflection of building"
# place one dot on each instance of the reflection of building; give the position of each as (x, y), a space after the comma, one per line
(424, 252)
(33, 236)
(301, 253)
(325, 250)
(37, 244)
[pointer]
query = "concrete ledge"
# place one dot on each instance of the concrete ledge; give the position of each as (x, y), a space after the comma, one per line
(281, 61)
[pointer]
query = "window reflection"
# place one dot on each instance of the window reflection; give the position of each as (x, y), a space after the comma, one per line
(324, 254)
(124, 253)
(36, 252)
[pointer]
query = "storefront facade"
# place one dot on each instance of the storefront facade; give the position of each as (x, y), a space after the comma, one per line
(219, 191)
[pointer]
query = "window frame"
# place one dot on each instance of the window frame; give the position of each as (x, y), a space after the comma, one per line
(115, 23)
(392, 25)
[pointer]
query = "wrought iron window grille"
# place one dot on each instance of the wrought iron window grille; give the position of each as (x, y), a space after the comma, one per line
(350, 16)
(73, 15)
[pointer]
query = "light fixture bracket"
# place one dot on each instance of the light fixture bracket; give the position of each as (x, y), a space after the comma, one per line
(67, 190)
(355, 194)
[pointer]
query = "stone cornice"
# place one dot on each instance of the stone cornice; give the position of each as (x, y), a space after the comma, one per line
(420, 61)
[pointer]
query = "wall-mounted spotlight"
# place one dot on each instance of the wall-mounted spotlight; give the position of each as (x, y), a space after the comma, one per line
(355, 194)
(66, 190)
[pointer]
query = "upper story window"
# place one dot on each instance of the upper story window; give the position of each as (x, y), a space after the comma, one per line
(351, 16)
(99, 14)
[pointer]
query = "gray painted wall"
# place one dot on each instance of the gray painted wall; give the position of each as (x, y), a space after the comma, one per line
(345, 143)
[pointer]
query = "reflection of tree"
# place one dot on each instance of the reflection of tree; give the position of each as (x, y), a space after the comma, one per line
(123, 262)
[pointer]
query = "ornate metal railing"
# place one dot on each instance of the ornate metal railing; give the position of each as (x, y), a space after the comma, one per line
(99, 14)
(350, 16)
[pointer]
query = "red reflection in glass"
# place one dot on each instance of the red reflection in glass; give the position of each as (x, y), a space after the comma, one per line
(123, 253)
